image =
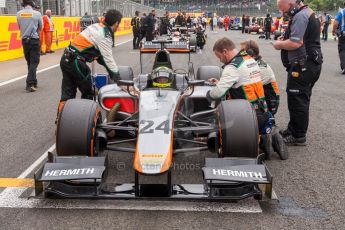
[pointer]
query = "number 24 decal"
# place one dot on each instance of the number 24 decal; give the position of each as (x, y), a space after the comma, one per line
(164, 126)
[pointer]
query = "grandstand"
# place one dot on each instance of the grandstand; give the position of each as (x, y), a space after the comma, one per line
(221, 7)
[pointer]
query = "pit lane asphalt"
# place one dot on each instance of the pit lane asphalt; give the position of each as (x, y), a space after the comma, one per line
(310, 183)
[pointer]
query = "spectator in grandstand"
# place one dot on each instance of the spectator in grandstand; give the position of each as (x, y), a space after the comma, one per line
(150, 22)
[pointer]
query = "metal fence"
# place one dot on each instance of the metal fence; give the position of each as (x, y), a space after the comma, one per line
(80, 7)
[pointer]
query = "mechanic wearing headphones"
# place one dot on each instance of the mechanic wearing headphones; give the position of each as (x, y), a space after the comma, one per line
(94, 43)
(267, 76)
(302, 57)
(30, 25)
(340, 22)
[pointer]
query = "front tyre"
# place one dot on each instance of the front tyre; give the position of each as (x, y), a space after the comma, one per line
(238, 129)
(76, 128)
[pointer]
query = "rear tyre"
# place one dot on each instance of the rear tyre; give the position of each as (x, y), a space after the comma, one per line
(76, 128)
(238, 129)
(207, 72)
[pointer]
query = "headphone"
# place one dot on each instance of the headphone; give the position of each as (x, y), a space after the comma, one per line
(250, 50)
(295, 9)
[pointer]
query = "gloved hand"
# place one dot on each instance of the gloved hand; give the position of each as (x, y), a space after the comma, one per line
(115, 76)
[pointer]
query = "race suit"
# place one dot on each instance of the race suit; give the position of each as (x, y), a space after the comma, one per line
(94, 43)
(241, 79)
(272, 93)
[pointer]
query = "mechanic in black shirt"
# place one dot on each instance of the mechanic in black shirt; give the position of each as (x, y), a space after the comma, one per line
(268, 25)
(143, 27)
(179, 20)
(150, 25)
(302, 57)
(165, 24)
(135, 23)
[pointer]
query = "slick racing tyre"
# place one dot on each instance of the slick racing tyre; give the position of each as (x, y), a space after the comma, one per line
(76, 128)
(207, 72)
(238, 129)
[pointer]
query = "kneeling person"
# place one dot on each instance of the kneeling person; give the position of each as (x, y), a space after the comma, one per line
(241, 79)
(272, 94)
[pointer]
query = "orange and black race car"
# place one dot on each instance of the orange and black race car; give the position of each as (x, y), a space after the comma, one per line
(161, 114)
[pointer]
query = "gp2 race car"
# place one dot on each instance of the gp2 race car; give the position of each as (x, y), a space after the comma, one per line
(182, 41)
(157, 118)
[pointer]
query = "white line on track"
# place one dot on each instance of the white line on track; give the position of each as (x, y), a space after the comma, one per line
(45, 69)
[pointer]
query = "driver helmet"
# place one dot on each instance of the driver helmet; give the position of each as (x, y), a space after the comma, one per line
(162, 77)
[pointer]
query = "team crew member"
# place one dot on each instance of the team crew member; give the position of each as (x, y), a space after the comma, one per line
(268, 26)
(135, 23)
(30, 25)
(94, 43)
(48, 29)
(241, 79)
(268, 78)
(326, 23)
(150, 25)
(339, 23)
(302, 57)
(165, 24)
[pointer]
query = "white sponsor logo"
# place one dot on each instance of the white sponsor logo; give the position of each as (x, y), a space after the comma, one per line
(235, 173)
(69, 172)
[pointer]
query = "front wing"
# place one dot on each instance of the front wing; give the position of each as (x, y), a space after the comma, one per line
(224, 179)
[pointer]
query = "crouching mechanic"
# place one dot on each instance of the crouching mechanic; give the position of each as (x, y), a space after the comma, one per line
(272, 93)
(241, 79)
(94, 43)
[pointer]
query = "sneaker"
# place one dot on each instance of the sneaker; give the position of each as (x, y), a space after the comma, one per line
(286, 132)
(343, 71)
(50, 52)
(293, 141)
(42, 53)
(30, 89)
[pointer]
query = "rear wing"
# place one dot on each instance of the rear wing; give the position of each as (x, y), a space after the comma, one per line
(173, 47)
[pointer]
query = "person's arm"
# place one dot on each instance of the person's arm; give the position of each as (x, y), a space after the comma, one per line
(336, 22)
(298, 28)
(229, 77)
(107, 60)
